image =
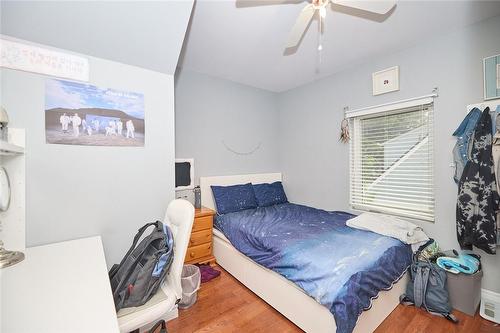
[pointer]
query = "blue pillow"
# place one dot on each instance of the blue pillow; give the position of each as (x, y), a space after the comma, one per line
(270, 194)
(234, 198)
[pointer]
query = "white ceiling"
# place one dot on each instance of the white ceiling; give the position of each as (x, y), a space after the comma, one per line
(147, 34)
(246, 44)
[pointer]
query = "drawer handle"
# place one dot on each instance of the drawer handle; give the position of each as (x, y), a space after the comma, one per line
(191, 242)
(191, 254)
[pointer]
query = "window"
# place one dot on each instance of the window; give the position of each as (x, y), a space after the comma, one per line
(391, 163)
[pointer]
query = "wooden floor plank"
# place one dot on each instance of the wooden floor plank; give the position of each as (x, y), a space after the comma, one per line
(225, 306)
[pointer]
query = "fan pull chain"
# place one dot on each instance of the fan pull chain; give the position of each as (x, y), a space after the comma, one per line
(320, 37)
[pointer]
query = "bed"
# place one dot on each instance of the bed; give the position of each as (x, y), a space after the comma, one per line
(282, 294)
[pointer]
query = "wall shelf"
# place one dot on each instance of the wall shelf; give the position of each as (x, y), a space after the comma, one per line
(7, 149)
(13, 221)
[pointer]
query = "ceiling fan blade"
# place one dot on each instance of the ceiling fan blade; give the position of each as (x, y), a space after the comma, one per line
(300, 26)
(255, 3)
(379, 7)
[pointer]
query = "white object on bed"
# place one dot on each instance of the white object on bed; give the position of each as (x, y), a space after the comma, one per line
(391, 226)
(277, 291)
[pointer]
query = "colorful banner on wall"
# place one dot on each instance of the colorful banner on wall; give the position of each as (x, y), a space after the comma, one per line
(30, 58)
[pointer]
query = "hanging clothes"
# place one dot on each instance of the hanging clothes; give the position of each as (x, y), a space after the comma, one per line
(478, 200)
(464, 134)
(496, 160)
(495, 120)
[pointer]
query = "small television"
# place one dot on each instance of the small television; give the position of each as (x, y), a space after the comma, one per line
(184, 174)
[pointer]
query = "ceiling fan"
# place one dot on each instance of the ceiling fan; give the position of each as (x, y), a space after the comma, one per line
(319, 7)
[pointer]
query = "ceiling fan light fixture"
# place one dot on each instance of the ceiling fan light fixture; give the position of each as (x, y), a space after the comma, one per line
(319, 7)
(322, 11)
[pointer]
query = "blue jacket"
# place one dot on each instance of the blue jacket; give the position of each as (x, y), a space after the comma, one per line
(464, 134)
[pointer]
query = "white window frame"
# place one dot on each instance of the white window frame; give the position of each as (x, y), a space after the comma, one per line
(386, 109)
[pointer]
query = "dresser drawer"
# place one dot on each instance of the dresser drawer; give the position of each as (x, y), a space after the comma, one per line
(200, 237)
(201, 223)
(198, 251)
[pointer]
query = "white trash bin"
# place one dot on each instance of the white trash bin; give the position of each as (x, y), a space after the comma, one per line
(190, 281)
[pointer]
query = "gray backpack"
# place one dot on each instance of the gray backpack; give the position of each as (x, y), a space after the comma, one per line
(140, 273)
(427, 288)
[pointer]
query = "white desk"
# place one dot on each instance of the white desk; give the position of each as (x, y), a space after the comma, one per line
(59, 288)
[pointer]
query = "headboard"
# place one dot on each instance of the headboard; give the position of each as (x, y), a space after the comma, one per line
(207, 198)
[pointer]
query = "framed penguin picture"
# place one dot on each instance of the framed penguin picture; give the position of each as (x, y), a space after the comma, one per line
(491, 69)
(385, 81)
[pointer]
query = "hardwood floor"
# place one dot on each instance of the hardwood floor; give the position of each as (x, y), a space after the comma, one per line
(224, 305)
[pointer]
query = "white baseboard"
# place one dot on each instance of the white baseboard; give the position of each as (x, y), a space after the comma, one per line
(490, 292)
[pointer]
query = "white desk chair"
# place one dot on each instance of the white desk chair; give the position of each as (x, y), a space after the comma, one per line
(179, 217)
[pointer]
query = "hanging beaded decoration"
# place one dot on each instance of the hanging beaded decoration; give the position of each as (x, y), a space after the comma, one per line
(345, 137)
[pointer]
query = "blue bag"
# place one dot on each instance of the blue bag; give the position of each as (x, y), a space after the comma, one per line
(427, 289)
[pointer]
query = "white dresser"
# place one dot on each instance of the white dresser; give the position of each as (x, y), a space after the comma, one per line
(60, 287)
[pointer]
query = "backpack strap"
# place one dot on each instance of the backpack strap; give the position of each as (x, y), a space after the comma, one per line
(420, 285)
(137, 236)
(451, 317)
(403, 299)
(419, 288)
(448, 316)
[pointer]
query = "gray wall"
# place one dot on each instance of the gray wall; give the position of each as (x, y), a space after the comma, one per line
(79, 191)
(316, 165)
(211, 110)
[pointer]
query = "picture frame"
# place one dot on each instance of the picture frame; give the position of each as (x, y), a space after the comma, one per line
(385, 81)
(491, 76)
(86, 115)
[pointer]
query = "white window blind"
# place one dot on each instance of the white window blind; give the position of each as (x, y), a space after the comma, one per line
(391, 162)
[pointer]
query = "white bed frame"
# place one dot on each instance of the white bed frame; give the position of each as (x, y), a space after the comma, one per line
(277, 291)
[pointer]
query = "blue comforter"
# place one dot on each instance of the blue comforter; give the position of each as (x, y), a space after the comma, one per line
(340, 267)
